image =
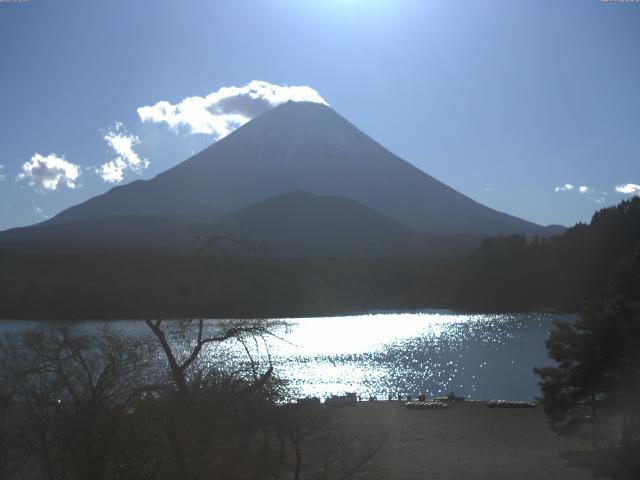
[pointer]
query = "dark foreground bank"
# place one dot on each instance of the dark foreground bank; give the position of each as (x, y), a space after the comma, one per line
(465, 441)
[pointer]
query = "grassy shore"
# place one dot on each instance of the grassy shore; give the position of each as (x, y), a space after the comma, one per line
(465, 441)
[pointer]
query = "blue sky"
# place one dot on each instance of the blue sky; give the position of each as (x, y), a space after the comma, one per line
(516, 104)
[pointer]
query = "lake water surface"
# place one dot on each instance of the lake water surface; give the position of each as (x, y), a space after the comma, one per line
(432, 352)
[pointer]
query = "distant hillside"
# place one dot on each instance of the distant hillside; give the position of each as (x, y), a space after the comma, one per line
(512, 273)
(301, 223)
(80, 285)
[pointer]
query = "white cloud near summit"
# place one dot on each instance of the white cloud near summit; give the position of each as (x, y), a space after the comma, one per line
(628, 189)
(122, 143)
(222, 111)
(49, 173)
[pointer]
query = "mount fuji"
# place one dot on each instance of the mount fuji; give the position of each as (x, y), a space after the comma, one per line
(295, 147)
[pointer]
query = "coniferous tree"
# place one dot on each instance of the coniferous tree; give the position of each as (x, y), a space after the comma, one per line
(597, 376)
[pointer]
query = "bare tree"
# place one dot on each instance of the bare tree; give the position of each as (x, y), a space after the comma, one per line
(70, 394)
(204, 334)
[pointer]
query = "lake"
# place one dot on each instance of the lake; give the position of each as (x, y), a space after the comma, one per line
(433, 352)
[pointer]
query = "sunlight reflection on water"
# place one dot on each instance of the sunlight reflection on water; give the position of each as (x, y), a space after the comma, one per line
(478, 356)
(433, 352)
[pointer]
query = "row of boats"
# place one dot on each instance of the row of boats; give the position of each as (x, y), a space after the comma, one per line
(350, 399)
(510, 404)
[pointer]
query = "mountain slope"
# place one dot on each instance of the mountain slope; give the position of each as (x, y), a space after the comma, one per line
(303, 147)
(115, 234)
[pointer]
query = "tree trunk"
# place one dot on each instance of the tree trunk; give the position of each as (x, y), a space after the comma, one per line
(177, 372)
(296, 475)
(282, 440)
(627, 429)
(594, 413)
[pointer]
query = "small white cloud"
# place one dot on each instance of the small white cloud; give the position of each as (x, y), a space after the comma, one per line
(112, 171)
(2, 177)
(567, 187)
(122, 143)
(50, 172)
(226, 109)
(38, 212)
(628, 189)
(589, 193)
